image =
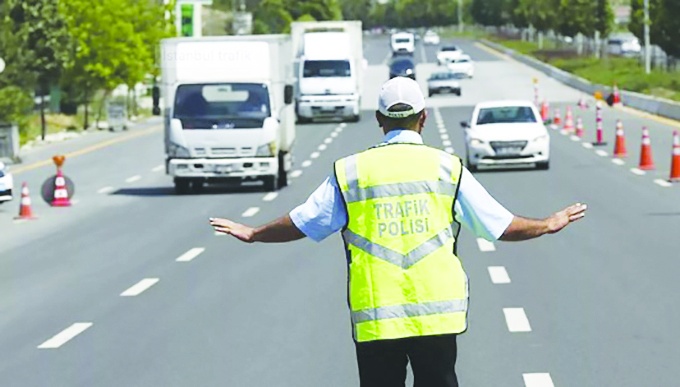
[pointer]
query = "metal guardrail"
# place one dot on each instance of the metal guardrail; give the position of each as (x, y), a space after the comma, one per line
(9, 143)
(659, 106)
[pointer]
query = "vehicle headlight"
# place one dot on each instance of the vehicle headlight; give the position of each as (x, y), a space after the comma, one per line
(178, 151)
(476, 142)
(542, 138)
(266, 150)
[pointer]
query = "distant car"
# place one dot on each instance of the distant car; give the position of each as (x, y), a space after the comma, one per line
(444, 81)
(625, 45)
(431, 38)
(403, 66)
(463, 65)
(6, 184)
(403, 41)
(448, 53)
(506, 133)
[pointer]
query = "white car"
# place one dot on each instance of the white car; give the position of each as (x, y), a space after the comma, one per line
(462, 65)
(431, 38)
(6, 184)
(448, 53)
(508, 133)
(403, 42)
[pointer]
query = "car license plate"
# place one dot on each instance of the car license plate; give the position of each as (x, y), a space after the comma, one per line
(508, 150)
(224, 169)
(327, 108)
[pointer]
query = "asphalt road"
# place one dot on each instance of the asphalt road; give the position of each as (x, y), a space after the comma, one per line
(591, 306)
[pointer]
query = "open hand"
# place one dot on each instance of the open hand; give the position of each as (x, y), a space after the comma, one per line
(239, 231)
(561, 219)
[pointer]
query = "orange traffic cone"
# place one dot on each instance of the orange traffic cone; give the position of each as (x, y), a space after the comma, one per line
(557, 120)
(617, 96)
(60, 193)
(25, 211)
(544, 111)
(675, 158)
(579, 127)
(646, 160)
(568, 120)
(620, 144)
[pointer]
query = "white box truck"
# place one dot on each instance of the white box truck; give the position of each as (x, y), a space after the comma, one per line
(228, 109)
(329, 60)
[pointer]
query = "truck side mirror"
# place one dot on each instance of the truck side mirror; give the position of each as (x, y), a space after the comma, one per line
(288, 94)
(464, 124)
(156, 97)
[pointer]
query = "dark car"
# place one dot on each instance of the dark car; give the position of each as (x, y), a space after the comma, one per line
(403, 66)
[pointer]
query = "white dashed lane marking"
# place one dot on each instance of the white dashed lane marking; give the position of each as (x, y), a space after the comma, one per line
(250, 212)
(270, 196)
(334, 134)
(105, 190)
(663, 183)
(485, 245)
(296, 173)
(587, 145)
(139, 287)
(158, 168)
(315, 155)
(637, 171)
(328, 140)
(191, 254)
(448, 149)
(516, 320)
(66, 335)
(133, 179)
(538, 380)
(446, 143)
(499, 275)
(575, 138)
(618, 161)
(323, 147)
(444, 136)
(601, 153)
(306, 163)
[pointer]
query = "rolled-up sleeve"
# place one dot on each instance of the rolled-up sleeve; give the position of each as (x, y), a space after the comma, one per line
(478, 211)
(323, 213)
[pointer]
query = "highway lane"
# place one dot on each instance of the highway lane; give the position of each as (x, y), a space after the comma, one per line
(276, 315)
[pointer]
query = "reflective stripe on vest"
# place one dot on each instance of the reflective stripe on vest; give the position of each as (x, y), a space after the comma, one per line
(399, 200)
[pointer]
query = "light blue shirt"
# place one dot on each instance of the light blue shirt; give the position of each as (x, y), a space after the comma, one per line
(324, 212)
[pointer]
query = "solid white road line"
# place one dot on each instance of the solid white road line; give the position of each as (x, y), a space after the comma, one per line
(516, 320)
(485, 245)
(587, 145)
(448, 149)
(663, 183)
(250, 212)
(64, 336)
(133, 179)
(270, 196)
(315, 155)
(191, 254)
(618, 161)
(328, 140)
(499, 275)
(139, 287)
(306, 163)
(446, 143)
(158, 168)
(601, 153)
(296, 173)
(105, 190)
(637, 171)
(538, 380)
(323, 147)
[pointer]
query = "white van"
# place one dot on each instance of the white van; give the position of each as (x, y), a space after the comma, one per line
(403, 42)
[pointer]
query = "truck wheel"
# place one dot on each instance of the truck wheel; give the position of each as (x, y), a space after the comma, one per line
(181, 186)
(544, 165)
(355, 118)
(271, 183)
(198, 185)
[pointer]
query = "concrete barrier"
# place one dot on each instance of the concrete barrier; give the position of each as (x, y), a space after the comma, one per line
(659, 106)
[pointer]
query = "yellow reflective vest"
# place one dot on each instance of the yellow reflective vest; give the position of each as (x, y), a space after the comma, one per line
(404, 277)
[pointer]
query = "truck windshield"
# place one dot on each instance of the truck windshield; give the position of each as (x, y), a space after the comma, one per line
(326, 68)
(222, 105)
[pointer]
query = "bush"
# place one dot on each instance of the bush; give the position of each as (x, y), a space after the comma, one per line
(15, 104)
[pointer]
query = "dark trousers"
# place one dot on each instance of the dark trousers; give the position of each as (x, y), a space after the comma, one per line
(382, 363)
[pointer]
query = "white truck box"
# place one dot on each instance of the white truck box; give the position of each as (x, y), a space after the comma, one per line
(228, 109)
(337, 92)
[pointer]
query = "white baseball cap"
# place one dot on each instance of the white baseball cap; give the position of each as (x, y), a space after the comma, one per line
(400, 90)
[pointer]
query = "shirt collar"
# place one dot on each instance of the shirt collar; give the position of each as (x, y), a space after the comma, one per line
(402, 135)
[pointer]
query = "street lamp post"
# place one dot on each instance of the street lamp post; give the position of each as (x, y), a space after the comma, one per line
(648, 64)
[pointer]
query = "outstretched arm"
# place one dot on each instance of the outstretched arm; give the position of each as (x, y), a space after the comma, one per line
(279, 230)
(521, 229)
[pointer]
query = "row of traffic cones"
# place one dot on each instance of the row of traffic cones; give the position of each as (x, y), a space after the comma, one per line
(60, 199)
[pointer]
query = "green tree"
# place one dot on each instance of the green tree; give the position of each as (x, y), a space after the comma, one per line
(318, 9)
(44, 35)
(541, 14)
(489, 12)
(604, 17)
(577, 16)
(271, 17)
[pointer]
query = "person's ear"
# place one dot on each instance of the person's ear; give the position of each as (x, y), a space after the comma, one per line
(378, 117)
(423, 118)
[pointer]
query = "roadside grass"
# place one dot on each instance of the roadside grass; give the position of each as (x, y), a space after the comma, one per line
(626, 73)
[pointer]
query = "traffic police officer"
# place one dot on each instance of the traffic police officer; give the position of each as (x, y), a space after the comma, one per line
(399, 206)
